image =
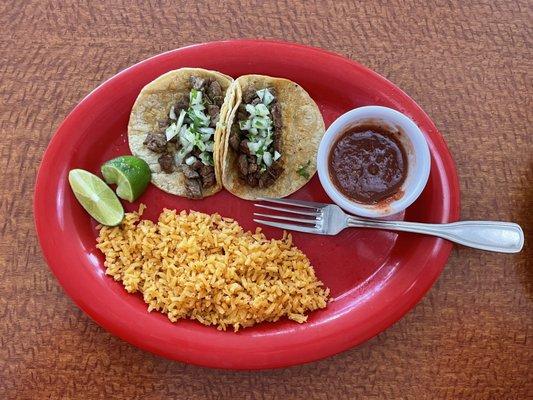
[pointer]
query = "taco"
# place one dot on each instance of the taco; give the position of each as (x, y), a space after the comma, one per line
(271, 138)
(175, 126)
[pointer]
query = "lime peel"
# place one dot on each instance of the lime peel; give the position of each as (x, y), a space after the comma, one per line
(130, 173)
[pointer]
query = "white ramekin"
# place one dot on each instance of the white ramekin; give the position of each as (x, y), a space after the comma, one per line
(413, 141)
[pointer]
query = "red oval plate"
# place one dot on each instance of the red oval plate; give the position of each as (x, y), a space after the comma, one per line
(375, 277)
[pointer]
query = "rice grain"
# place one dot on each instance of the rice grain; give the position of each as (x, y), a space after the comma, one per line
(206, 267)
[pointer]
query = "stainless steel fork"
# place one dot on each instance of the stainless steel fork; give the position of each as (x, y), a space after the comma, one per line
(329, 219)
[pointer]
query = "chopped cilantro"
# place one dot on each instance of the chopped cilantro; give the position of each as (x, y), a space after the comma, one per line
(302, 171)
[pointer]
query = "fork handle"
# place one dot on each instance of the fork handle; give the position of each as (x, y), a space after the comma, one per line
(503, 237)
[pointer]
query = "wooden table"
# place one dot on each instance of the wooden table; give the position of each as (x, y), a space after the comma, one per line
(468, 64)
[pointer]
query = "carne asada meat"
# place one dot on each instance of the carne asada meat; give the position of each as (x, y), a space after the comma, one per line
(181, 104)
(252, 180)
(235, 137)
(193, 188)
(207, 174)
(252, 164)
(248, 95)
(214, 90)
(242, 163)
(166, 161)
(163, 123)
(196, 165)
(243, 147)
(268, 177)
(277, 141)
(196, 152)
(197, 82)
(189, 172)
(242, 114)
(156, 142)
(214, 113)
(275, 111)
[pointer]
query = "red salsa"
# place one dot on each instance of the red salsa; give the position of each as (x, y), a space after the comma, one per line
(368, 164)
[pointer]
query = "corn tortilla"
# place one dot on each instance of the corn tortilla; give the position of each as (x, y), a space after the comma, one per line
(303, 128)
(153, 104)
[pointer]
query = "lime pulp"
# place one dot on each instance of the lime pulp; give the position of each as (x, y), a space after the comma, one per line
(96, 197)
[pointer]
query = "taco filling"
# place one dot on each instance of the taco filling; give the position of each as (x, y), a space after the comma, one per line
(256, 138)
(185, 140)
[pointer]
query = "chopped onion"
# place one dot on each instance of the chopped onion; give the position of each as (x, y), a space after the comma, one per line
(260, 122)
(198, 117)
(207, 158)
(261, 110)
(259, 126)
(268, 141)
(172, 113)
(267, 158)
(174, 129)
(265, 96)
(207, 130)
(195, 97)
(181, 153)
(254, 147)
(187, 135)
(251, 109)
(245, 125)
(200, 145)
(209, 146)
(171, 131)
(190, 160)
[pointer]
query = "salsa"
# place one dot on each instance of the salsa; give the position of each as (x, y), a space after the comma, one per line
(368, 164)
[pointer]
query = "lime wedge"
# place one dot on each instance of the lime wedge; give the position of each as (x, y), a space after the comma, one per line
(131, 174)
(96, 197)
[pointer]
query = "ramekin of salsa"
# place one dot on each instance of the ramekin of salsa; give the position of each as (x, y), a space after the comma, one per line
(373, 161)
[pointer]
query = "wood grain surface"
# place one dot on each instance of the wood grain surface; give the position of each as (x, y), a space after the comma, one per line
(467, 63)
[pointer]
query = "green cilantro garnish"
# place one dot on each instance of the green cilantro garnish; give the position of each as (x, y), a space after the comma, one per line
(302, 171)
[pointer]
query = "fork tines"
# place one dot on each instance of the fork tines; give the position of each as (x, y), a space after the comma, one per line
(310, 210)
